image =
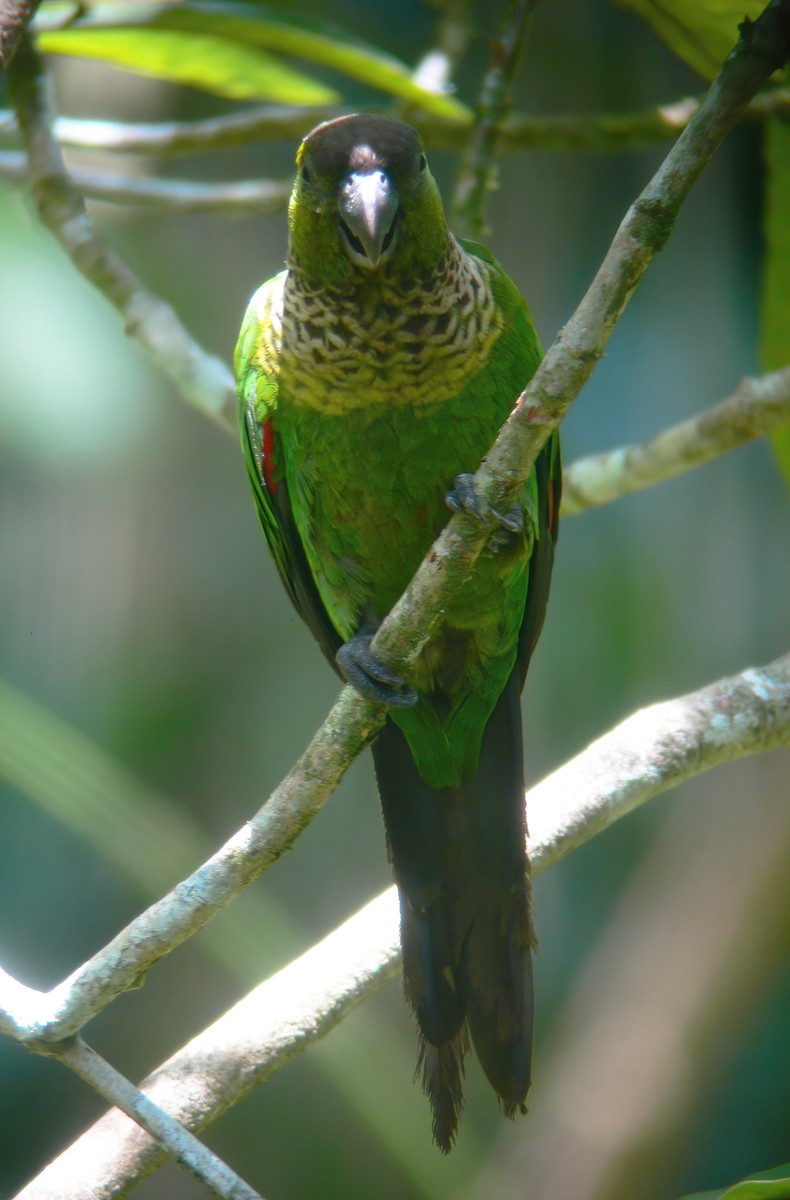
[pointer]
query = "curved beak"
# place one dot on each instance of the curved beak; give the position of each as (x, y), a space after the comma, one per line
(368, 206)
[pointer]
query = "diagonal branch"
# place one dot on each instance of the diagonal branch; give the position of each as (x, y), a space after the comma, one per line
(37, 1018)
(649, 753)
(758, 407)
(568, 363)
(176, 1141)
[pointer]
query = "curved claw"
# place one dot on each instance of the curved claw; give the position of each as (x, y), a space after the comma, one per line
(465, 498)
(365, 672)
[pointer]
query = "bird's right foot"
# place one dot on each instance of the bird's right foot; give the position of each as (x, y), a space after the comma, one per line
(368, 674)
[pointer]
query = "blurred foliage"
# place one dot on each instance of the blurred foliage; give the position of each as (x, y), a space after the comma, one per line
(775, 312)
(138, 604)
(766, 1185)
(216, 64)
(221, 47)
(701, 33)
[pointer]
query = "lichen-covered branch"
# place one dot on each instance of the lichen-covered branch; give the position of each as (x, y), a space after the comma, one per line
(758, 407)
(202, 379)
(649, 753)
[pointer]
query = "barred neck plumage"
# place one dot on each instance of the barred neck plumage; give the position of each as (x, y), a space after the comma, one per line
(384, 340)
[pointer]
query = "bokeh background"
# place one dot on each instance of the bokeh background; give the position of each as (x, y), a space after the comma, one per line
(141, 617)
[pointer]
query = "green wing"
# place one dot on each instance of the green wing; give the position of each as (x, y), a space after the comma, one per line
(548, 471)
(256, 374)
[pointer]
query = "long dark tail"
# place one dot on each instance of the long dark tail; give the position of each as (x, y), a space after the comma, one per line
(459, 858)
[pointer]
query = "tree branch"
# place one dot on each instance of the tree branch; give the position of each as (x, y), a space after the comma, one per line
(597, 132)
(202, 379)
(241, 198)
(176, 1141)
(15, 16)
(758, 407)
(255, 125)
(649, 753)
(477, 172)
(569, 362)
(39, 1019)
(686, 960)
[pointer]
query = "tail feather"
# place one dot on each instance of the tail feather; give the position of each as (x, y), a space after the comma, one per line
(459, 858)
(443, 1083)
(429, 982)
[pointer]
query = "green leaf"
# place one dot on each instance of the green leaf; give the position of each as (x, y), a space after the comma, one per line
(202, 60)
(320, 44)
(775, 306)
(702, 32)
(773, 1184)
(250, 28)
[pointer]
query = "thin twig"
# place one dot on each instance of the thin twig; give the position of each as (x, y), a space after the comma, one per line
(651, 752)
(255, 125)
(15, 16)
(454, 30)
(243, 198)
(599, 132)
(758, 407)
(437, 69)
(202, 379)
(476, 176)
(176, 1141)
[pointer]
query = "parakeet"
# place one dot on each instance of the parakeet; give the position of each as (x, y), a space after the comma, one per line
(373, 375)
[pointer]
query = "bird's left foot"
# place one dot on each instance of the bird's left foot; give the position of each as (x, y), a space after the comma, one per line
(369, 675)
(465, 498)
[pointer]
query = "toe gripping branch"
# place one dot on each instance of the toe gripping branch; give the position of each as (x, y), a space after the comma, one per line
(369, 675)
(465, 498)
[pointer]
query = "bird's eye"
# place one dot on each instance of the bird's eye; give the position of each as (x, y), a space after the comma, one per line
(306, 176)
(423, 162)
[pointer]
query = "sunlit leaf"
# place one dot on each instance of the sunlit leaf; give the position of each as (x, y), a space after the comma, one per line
(775, 314)
(250, 26)
(773, 1184)
(202, 60)
(701, 32)
(315, 43)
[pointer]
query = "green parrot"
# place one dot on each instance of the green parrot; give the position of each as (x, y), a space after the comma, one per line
(373, 374)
